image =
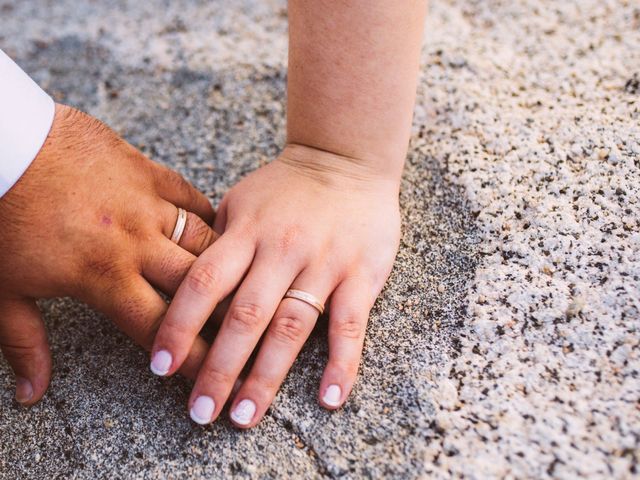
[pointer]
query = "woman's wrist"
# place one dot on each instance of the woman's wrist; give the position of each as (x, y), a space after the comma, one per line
(332, 168)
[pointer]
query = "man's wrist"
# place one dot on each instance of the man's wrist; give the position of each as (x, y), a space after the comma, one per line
(26, 116)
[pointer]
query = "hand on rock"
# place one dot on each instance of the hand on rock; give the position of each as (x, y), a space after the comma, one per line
(92, 219)
(311, 221)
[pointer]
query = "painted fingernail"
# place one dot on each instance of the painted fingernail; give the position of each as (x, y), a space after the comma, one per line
(161, 362)
(24, 390)
(202, 410)
(244, 412)
(332, 395)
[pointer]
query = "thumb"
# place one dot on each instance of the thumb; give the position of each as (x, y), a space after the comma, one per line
(23, 340)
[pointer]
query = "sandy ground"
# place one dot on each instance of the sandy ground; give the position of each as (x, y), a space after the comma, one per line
(506, 343)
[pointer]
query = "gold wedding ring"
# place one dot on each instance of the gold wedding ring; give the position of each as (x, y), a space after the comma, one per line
(181, 222)
(306, 298)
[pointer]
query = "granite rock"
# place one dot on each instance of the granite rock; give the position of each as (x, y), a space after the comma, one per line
(506, 341)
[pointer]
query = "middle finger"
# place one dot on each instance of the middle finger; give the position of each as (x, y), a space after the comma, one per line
(291, 326)
(249, 314)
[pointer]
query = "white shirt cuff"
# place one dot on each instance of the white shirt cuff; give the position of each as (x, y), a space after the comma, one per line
(26, 116)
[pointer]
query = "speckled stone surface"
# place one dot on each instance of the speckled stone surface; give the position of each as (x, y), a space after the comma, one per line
(506, 344)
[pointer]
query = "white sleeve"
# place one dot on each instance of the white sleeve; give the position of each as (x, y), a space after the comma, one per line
(26, 116)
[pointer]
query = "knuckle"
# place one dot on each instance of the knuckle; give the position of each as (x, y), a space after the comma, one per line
(105, 267)
(175, 332)
(264, 383)
(208, 238)
(246, 228)
(245, 317)
(289, 329)
(203, 278)
(197, 226)
(200, 232)
(214, 375)
(17, 351)
(349, 326)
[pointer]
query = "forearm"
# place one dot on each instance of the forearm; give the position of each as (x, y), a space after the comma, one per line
(352, 78)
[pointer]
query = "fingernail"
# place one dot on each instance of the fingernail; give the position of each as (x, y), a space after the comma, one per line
(244, 412)
(161, 362)
(202, 410)
(332, 395)
(24, 390)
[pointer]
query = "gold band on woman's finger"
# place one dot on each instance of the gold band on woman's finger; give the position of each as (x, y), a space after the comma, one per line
(306, 298)
(181, 222)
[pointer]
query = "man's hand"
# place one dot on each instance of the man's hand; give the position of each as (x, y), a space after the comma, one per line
(91, 219)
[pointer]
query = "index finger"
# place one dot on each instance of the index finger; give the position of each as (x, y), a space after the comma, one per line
(213, 276)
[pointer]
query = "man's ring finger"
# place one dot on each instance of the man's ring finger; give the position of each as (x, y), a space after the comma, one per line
(181, 222)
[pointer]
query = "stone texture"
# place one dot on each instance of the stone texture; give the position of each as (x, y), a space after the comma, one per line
(506, 342)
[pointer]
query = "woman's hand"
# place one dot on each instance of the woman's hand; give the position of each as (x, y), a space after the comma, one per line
(90, 219)
(311, 221)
